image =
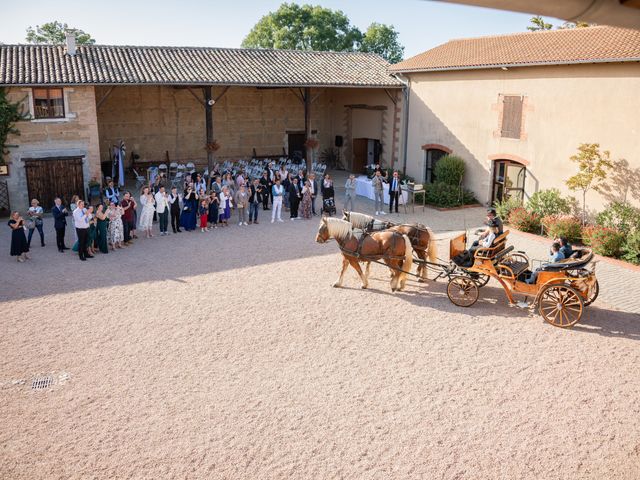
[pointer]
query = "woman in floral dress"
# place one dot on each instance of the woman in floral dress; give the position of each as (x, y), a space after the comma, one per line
(305, 205)
(116, 229)
(148, 208)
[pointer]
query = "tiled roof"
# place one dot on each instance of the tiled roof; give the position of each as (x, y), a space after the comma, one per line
(550, 47)
(123, 65)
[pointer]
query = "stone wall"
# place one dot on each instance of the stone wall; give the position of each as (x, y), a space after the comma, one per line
(74, 135)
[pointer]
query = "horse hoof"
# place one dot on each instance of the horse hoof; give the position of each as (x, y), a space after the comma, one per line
(336, 285)
(363, 287)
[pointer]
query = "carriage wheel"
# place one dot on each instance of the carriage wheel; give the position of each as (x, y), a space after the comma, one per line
(560, 305)
(462, 291)
(594, 295)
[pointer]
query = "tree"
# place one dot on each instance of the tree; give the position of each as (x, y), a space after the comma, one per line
(304, 27)
(578, 24)
(54, 33)
(383, 40)
(538, 23)
(10, 113)
(593, 167)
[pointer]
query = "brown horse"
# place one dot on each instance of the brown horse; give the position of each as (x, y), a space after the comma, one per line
(421, 237)
(391, 247)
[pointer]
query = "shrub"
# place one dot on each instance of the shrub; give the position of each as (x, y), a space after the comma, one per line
(620, 216)
(548, 202)
(631, 248)
(450, 170)
(566, 226)
(523, 220)
(503, 208)
(442, 195)
(604, 241)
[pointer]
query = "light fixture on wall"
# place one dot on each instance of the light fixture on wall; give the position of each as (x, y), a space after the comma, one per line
(211, 102)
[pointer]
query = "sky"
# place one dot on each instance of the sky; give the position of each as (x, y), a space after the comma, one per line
(421, 24)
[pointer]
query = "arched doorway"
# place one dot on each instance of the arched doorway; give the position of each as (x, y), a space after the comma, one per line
(433, 152)
(508, 180)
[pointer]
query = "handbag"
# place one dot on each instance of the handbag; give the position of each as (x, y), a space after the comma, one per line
(30, 224)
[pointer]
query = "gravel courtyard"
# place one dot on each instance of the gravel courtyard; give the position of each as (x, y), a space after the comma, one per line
(228, 355)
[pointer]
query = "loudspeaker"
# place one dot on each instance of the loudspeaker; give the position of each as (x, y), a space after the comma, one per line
(339, 140)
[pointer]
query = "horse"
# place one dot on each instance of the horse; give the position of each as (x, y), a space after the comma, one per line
(421, 237)
(392, 247)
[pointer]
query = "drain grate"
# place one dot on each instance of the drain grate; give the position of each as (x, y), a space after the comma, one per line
(40, 383)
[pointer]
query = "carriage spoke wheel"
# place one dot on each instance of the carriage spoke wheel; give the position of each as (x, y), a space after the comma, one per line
(560, 305)
(594, 294)
(462, 291)
(481, 279)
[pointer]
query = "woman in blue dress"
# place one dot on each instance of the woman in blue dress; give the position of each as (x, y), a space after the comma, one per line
(190, 209)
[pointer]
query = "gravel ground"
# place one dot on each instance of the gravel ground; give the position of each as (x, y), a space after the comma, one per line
(228, 355)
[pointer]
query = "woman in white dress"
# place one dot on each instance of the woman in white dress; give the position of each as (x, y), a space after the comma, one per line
(148, 207)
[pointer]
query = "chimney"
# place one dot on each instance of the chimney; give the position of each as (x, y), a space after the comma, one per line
(71, 43)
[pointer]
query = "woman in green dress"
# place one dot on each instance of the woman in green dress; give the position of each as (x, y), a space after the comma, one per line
(91, 249)
(103, 223)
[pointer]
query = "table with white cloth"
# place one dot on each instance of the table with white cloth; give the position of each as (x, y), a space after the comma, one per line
(364, 188)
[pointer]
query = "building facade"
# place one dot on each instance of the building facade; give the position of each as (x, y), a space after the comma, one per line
(516, 108)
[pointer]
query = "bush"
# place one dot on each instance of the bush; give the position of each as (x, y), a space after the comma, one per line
(503, 208)
(442, 195)
(548, 202)
(620, 216)
(604, 241)
(525, 221)
(631, 248)
(566, 226)
(450, 170)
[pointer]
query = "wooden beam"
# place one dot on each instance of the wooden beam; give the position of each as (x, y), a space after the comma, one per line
(299, 96)
(208, 111)
(393, 98)
(104, 97)
(307, 125)
(200, 101)
(226, 89)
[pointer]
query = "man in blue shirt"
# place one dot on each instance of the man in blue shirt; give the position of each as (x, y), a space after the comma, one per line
(554, 256)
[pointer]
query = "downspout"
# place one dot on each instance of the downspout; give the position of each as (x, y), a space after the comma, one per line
(405, 123)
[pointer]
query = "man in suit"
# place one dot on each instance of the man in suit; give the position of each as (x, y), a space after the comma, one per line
(112, 193)
(162, 208)
(266, 183)
(314, 191)
(60, 213)
(256, 194)
(394, 191)
(302, 178)
(294, 198)
(174, 209)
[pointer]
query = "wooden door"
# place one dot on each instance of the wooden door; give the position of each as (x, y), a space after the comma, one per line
(48, 178)
(360, 154)
(297, 150)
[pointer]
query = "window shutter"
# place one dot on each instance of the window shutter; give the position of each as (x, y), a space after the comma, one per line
(511, 116)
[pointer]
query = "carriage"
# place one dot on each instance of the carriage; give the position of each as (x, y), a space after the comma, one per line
(560, 291)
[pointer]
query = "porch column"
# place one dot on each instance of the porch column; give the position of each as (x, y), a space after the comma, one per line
(208, 120)
(307, 126)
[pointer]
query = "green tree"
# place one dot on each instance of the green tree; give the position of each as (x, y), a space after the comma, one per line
(593, 166)
(578, 24)
(54, 33)
(10, 113)
(304, 27)
(538, 23)
(383, 40)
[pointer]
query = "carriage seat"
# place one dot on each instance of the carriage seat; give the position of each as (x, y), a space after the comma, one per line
(581, 259)
(516, 264)
(497, 246)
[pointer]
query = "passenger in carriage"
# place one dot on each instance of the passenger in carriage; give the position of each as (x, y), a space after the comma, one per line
(555, 255)
(486, 239)
(565, 247)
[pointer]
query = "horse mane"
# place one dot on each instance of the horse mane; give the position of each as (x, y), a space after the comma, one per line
(337, 228)
(359, 220)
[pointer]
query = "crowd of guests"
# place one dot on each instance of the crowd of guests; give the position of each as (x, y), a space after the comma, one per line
(118, 218)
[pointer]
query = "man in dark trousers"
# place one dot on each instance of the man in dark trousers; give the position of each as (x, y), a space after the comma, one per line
(394, 191)
(60, 213)
(266, 183)
(256, 195)
(174, 210)
(294, 198)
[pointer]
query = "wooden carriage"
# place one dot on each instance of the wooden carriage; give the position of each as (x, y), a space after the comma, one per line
(560, 292)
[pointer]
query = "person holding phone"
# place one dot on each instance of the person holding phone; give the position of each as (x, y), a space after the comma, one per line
(19, 245)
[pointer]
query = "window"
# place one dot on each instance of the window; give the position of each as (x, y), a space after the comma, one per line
(508, 180)
(48, 103)
(433, 155)
(511, 116)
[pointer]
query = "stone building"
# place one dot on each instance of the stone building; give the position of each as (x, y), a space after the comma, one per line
(84, 100)
(516, 107)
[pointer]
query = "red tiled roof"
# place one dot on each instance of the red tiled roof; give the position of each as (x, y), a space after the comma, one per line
(549, 47)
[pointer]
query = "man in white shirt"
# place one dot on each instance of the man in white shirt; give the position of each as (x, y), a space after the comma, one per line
(394, 191)
(174, 202)
(162, 209)
(81, 219)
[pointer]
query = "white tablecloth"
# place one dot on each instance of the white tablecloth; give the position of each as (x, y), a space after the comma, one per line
(364, 188)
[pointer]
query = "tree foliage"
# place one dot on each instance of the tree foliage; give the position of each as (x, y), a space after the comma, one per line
(383, 40)
(538, 23)
(54, 33)
(593, 166)
(309, 27)
(10, 113)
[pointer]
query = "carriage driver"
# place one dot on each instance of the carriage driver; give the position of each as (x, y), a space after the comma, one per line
(492, 221)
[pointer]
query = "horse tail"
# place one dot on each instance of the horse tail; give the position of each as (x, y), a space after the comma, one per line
(408, 258)
(432, 249)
